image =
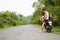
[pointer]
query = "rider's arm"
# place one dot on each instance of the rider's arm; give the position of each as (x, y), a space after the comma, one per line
(42, 19)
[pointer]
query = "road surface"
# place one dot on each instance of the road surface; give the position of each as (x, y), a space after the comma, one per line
(26, 32)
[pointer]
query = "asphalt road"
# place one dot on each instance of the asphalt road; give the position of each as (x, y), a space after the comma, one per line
(26, 32)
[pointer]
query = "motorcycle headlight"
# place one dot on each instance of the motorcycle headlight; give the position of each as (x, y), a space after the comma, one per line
(50, 22)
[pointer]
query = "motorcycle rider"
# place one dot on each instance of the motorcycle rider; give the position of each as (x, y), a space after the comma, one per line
(44, 18)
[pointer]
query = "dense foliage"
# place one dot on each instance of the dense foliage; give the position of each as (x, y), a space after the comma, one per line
(52, 6)
(8, 19)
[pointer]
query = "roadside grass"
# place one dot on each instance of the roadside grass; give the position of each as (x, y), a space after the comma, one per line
(36, 25)
(55, 30)
(8, 27)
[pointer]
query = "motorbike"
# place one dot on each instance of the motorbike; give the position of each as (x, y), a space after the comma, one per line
(48, 26)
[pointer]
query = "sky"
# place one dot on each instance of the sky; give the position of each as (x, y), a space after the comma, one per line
(23, 7)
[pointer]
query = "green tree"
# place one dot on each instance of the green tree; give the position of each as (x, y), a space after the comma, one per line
(9, 19)
(53, 7)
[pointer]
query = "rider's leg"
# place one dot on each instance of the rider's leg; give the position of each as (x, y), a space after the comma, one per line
(42, 26)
